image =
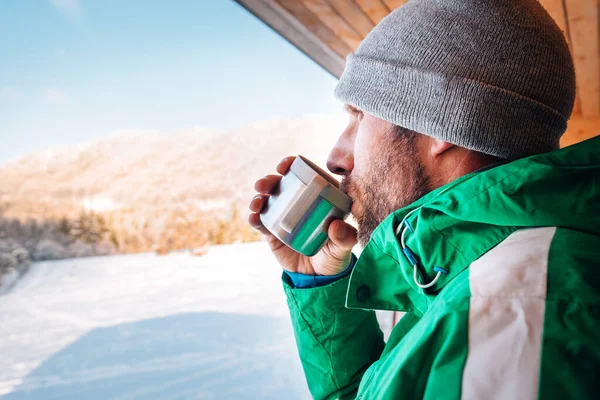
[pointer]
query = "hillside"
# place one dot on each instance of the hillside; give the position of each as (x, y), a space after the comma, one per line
(146, 191)
(137, 170)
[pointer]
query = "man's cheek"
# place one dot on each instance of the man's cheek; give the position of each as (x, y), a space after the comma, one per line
(363, 153)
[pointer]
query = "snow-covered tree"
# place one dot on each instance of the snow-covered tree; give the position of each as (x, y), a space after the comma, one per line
(48, 249)
(7, 262)
(13, 254)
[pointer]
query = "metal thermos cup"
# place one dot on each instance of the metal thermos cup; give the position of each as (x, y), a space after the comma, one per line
(301, 208)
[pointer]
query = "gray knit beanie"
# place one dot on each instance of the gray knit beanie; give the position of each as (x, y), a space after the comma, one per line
(494, 76)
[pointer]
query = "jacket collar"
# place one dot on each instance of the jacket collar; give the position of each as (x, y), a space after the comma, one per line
(383, 277)
(458, 223)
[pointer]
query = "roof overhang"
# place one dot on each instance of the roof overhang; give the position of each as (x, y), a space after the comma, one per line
(328, 30)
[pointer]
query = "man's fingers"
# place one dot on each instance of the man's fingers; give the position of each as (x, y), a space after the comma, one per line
(258, 202)
(271, 239)
(256, 223)
(284, 165)
(267, 184)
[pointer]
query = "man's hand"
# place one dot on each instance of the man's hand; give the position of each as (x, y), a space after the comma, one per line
(332, 259)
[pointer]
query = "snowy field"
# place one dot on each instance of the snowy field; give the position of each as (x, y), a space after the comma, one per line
(150, 327)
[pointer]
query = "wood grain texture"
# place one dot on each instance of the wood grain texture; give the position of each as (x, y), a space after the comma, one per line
(288, 26)
(325, 13)
(341, 25)
(556, 9)
(354, 16)
(375, 9)
(582, 19)
(307, 18)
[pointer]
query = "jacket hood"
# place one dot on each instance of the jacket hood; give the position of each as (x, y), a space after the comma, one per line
(456, 224)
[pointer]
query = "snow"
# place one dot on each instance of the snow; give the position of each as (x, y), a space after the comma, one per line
(8, 279)
(99, 204)
(150, 327)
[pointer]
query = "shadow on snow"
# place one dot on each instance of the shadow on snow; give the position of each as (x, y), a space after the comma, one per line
(192, 355)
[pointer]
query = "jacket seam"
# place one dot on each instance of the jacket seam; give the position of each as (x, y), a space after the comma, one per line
(485, 190)
(329, 372)
(384, 253)
(414, 310)
(330, 352)
(447, 237)
(518, 171)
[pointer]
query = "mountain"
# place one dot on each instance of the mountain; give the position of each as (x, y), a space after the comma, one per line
(137, 170)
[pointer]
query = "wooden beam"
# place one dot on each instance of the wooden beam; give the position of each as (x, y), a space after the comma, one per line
(393, 4)
(315, 25)
(375, 9)
(288, 26)
(354, 15)
(582, 19)
(330, 18)
(556, 9)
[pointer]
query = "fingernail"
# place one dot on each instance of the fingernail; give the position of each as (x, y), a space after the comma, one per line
(341, 232)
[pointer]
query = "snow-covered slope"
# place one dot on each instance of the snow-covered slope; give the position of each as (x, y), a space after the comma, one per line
(150, 327)
(155, 169)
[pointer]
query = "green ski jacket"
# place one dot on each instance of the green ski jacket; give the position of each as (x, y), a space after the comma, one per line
(515, 316)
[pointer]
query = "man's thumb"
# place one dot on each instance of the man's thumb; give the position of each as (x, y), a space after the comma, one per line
(342, 235)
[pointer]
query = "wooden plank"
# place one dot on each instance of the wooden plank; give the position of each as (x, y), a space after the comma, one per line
(330, 18)
(576, 106)
(393, 4)
(556, 9)
(315, 25)
(285, 24)
(582, 19)
(375, 9)
(354, 16)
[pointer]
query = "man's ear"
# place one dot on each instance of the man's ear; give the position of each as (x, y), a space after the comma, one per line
(438, 147)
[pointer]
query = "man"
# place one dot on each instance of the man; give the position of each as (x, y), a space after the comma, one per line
(472, 222)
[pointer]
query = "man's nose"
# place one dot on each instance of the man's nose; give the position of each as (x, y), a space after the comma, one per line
(341, 157)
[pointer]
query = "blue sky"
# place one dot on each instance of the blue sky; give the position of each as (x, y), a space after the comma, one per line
(73, 70)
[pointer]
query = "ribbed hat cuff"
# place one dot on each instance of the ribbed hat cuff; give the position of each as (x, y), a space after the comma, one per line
(461, 111)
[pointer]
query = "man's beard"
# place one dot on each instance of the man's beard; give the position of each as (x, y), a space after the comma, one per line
(392, 181)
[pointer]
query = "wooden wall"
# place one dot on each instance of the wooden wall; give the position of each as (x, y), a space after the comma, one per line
(579, 19)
